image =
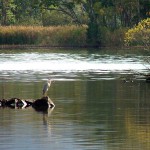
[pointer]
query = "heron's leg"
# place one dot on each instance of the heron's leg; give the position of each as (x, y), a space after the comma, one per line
(44, 94)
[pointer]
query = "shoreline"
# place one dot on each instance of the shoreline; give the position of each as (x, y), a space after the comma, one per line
(41, 47)
(25, 47)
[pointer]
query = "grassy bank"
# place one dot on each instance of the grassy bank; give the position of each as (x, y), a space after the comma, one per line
(60, 36)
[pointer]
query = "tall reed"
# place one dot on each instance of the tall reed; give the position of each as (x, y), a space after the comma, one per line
(38, 35)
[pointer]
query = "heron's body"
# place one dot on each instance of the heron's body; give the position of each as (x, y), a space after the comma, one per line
(46, 86)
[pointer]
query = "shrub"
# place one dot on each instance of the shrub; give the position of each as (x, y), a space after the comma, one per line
(113, 38)
(139, 35)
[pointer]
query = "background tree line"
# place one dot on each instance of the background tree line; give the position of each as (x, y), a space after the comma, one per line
(96, 14)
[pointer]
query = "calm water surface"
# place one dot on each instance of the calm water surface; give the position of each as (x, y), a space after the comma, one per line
(95, 109)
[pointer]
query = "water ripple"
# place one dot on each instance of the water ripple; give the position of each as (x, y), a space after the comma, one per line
(66, 66)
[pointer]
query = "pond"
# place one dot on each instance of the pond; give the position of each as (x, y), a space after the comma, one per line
(95, 108)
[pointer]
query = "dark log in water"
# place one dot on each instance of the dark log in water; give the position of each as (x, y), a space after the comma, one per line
(15, 103)
(43, 103)
(39, 104)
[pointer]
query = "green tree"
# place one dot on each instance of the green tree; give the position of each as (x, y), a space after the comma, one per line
(7, 8)
(27, 12)
(89, 7)
(64, 6)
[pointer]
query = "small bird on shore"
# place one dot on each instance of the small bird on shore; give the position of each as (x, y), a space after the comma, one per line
(46, 86)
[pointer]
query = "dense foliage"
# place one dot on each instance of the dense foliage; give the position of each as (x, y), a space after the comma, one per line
(96, 14)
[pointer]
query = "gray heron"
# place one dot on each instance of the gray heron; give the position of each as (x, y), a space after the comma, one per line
(46, 86)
